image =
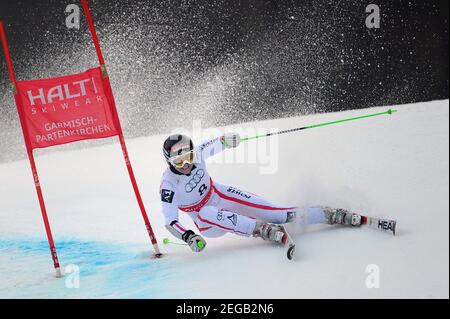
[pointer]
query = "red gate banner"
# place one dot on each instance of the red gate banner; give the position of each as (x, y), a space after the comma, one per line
(67, 109)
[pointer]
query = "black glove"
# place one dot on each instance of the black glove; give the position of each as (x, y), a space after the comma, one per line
(196, 242)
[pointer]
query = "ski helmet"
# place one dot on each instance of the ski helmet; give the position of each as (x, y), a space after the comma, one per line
(177, 144)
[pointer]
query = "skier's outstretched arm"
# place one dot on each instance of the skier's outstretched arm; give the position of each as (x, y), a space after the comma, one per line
(218, 144)
(170, 211)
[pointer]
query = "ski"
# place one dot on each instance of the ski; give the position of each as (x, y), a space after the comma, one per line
(289, 243)
(386, 225)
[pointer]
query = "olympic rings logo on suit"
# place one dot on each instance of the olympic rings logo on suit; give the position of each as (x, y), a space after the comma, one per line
(193, 182)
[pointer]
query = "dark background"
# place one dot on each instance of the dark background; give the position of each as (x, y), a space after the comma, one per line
(223, 62)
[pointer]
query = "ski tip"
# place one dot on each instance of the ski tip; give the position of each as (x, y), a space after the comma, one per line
(290, 252)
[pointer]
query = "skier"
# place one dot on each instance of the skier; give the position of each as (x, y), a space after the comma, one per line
(216, 208)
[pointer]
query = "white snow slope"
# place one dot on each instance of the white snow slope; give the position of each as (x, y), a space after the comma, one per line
(388, 166)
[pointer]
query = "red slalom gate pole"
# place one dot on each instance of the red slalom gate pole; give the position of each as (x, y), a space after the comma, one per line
(119, 128)
(37, 184)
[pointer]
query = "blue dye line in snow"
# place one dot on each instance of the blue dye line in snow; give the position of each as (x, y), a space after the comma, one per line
(125, 271)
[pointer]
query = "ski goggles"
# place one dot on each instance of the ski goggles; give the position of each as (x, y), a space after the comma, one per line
(180, 160)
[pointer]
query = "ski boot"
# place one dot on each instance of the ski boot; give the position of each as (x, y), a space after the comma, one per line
(343, 217)
(277, 234)
(271, 232)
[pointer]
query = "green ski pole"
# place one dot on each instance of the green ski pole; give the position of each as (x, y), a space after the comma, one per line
(390, 111)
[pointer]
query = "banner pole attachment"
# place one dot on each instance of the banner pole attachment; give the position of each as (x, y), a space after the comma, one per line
(119, 128)
(37, 184)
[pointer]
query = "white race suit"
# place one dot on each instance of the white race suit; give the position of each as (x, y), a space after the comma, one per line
(215, 208)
